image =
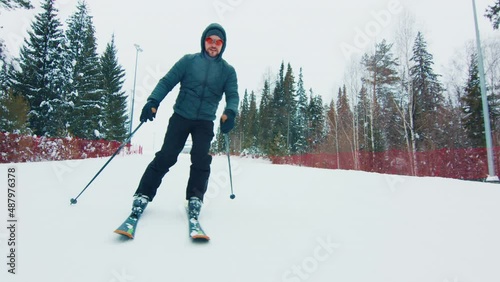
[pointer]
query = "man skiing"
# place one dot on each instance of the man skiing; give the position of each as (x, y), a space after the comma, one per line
(204, 77)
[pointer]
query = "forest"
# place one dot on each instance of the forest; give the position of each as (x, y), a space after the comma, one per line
(392, 99)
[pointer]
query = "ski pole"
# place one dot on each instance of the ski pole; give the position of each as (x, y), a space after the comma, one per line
(226, 137)
(74, 200)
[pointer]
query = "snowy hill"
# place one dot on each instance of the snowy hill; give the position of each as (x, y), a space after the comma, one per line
(286, 224)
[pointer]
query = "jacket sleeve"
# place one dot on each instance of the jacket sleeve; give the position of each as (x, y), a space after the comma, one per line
(231, 92)
(170, 80)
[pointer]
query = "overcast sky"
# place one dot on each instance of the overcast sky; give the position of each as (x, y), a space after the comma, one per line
(321, 37)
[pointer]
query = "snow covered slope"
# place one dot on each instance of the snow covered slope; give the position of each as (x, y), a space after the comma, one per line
(286, 224)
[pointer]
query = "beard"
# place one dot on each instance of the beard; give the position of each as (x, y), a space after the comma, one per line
(213, 52)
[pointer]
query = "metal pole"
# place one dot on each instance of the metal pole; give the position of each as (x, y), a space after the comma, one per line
(226, 137)
(137, 50)
(486, 114)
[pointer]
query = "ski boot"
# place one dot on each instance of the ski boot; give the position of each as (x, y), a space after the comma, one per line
(195, 231)
(140, 203)
(194, 207)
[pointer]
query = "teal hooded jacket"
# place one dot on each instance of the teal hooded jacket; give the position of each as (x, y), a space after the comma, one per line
(203, 80)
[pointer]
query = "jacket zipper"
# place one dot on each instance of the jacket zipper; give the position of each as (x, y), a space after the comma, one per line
(204, 90)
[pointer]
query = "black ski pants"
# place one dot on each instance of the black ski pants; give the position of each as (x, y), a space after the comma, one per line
(178, 131)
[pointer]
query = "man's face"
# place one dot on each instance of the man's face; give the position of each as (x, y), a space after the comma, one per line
(213, 45)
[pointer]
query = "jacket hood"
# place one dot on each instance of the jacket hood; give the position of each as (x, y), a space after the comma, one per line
(204, 35)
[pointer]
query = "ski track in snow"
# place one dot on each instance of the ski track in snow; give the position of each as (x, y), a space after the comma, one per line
(287, 224)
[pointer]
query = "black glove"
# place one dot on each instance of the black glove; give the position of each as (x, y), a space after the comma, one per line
(149, 110)
(228, 124)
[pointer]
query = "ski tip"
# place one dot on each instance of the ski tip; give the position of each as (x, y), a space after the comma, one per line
(200, 238)
(124, 233)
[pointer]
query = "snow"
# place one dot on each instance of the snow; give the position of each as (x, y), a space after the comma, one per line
(287, 223)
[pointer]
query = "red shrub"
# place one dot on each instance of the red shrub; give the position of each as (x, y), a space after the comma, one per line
(16, 148)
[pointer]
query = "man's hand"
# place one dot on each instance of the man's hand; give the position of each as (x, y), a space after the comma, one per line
(149, 110)
(227, 121)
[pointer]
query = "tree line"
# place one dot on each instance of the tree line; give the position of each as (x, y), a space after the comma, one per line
(60, 86)
(388, 102)
(392, 98)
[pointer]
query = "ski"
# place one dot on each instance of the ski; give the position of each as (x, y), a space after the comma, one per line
(128, 227)
(195, 231)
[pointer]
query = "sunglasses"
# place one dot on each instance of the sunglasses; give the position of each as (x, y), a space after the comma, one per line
(217, 42)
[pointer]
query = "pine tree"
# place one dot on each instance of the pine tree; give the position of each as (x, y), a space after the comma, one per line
(13, 108)
(265, 119)
(2, 49)
(316, 118)
(289, 105)
(330, 144)
(493, 14)
(363, 109)
(86, 96)
(473, 120)
(5, 79)
(395, 135)
(428, 99)
(13, 112)
(251, 130)
(344, 122)
(452, 125)
(115, 111)
(277, 146)
(15, 4)
(381, 80)
(244, 122)
(279, 115)
(42, 73)
(300, 121)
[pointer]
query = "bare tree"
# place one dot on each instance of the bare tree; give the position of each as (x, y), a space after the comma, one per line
(352, 80)
(404, 37)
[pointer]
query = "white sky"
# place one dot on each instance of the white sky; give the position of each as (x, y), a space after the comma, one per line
(261, 34)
